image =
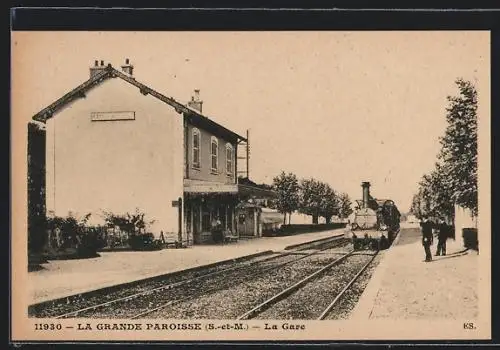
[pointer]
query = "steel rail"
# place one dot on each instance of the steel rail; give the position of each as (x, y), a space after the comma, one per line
(167, 287)
(300, 246)
(242, 279)
(319, 244)
(277, 297)
(183, 282)
(342, 292)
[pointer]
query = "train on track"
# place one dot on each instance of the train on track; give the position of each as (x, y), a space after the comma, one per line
(375, 223)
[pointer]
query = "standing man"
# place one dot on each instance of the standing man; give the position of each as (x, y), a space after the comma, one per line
(427, 238)
(442, 236)
(217, 233)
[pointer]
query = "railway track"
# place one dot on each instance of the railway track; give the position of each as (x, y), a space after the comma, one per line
(228, 303)
(328, 285)
(259, 271)
(131, 300)
(315, 243)
(330, 306)
(88, 301)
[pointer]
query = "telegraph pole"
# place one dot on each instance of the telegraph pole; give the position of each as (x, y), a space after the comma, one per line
(248, 154)
(246, 157)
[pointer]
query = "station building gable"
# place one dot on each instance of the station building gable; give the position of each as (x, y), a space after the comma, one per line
(115, 150)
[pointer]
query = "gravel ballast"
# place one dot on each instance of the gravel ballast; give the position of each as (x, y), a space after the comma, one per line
(77, 302)
(150, 298)
(232, 302)
(154, 299)
(311, 300)
(346, 304)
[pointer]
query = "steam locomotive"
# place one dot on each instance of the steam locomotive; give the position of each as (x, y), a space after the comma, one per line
(375, 223)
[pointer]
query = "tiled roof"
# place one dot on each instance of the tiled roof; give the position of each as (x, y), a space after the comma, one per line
(110, 72)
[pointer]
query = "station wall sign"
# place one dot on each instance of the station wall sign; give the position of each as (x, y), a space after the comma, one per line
(112, 116)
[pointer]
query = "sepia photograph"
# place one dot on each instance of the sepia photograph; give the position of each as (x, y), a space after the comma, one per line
(286, 185)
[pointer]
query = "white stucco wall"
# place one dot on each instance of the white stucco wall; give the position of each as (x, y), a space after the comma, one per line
(116, 165)
(298, 219)
(463, 219)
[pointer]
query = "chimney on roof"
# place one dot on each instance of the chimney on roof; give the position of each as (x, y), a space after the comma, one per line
(195, 102)
(366, 194)
(127, 67)
(96, 69)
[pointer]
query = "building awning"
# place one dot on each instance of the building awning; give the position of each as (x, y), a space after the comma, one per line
(248, 190)
(271, 217)
(200, 187)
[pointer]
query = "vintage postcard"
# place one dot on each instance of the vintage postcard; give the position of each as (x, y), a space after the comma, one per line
(323, 185)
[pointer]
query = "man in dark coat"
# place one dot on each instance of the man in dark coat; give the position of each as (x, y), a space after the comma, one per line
(217, 231)
(427, 238)
(442, 236)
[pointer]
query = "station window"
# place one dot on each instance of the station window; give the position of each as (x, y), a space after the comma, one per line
(214, 153)
(229, 159)
(196, 148)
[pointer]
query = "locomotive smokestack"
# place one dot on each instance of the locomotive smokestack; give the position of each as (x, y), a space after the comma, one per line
(366, 193)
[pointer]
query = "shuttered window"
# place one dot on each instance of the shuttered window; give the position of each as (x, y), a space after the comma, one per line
(214, 153)
(196, 148)
(229, 159)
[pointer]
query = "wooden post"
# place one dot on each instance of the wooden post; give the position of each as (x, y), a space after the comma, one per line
(236, 172)
(225, 220)
(186, 152)
(192, 222)
(255, 222)
(200, 221)
(180, 220)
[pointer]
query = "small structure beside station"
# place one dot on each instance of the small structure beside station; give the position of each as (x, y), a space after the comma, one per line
(466, 227)
(253, 215)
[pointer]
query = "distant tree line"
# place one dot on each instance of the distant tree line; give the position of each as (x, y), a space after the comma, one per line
(309, 196)
(454, 177)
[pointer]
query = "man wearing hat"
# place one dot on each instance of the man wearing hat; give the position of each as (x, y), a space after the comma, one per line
(442, 236)
(427, 238)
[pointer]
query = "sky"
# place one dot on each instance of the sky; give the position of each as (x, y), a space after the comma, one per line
(341, 107)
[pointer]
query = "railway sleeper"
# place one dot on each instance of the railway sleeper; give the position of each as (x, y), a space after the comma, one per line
(366, 243)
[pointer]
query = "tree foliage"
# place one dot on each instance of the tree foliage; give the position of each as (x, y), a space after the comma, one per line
(131, 223)
(459, 146)
(329, 203)
(434, 195)
(287, 188)
(454, 178)
(318, 199)
(308, 196)
(345, 204)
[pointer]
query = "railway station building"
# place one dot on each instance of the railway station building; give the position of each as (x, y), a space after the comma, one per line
(114, 144)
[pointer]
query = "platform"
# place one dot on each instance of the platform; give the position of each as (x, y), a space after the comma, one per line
(404, 286)
(61, 278)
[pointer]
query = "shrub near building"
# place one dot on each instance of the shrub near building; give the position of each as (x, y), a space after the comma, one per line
(135, 228)
(70, 237)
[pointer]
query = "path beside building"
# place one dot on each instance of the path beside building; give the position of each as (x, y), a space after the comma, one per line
(61, 278)
(406, 287)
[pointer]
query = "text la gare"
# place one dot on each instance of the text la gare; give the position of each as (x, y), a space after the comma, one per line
(285, 326)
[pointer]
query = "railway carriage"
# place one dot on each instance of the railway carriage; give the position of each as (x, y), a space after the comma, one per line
(375, 223)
